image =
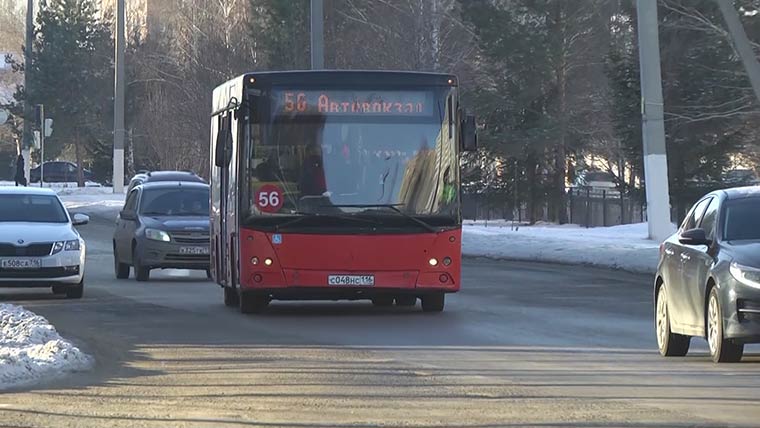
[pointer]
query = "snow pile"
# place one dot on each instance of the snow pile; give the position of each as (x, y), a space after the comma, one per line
(92, 200)
(620, 247)
(31, 349)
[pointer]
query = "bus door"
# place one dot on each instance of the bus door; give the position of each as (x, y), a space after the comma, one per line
(220, 198)
(230, 199)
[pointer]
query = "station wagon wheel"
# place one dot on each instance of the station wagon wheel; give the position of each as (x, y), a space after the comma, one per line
(722, 350)
(76, 291)
(670, 344)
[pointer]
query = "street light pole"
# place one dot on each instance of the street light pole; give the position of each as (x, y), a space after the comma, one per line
(317, 35)
(118, 122)
(653, 125)
(28, 138)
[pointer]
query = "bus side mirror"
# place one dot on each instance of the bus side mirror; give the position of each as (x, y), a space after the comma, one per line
(469, 134)
(223, 143)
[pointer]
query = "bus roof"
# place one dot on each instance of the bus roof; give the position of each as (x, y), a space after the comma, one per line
(233, 89)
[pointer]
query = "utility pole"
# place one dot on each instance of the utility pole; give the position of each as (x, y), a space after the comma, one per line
(28, 138)
(317, 35)
(653, 124)
(118, 120)
(40, 116)
(741, 44)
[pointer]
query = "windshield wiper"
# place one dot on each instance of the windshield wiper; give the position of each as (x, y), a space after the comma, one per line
(307, 215)
(154, 213)
(394, 208)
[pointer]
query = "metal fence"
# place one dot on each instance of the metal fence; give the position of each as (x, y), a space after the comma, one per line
(585, 207)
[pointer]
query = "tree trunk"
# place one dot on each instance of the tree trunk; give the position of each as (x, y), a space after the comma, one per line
(560, 163)
(78, 151)
(530, 168)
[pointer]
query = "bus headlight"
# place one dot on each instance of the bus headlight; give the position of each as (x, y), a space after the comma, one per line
(433, 262)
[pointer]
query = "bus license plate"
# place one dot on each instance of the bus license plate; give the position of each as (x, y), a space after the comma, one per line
(194, 250)
(351, 280)
(20, 263)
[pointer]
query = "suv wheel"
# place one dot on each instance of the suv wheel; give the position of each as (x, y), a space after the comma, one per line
(142, 273)
(121, 270)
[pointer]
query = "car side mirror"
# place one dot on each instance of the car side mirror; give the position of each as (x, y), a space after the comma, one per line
(694, 237)
(127, 215)
(80, 219)
(469, 134)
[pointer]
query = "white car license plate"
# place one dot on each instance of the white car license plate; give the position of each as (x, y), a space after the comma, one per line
(351, 280)
(20, 263)
(193, 250)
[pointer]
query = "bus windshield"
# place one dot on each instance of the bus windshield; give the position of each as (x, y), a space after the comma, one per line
(353, 152)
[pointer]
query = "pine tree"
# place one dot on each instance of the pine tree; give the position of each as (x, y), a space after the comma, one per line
(282, 33)
(71, 75)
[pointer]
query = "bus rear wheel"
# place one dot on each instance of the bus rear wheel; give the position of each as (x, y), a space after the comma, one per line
(433, 302)
(253, 303)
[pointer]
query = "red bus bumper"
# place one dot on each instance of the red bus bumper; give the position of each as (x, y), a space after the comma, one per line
(300, 266)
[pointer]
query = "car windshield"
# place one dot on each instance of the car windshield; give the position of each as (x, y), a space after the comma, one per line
(32, 208)
(175, 202)
(740, 222)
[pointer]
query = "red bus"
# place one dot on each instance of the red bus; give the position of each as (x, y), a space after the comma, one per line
(337, 185)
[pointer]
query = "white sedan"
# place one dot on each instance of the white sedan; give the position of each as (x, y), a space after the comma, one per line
(39, 245)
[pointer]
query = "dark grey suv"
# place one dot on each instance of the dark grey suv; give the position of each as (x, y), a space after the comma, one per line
(163, 225)
(708, 279)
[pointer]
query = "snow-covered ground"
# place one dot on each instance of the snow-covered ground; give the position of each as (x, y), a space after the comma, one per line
(31, 350)
(620, 247)
(92, 200)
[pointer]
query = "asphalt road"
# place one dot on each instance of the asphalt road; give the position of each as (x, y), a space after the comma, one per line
(522, 345)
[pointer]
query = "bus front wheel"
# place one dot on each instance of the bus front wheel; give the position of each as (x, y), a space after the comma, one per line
(253, 303)
(433, 302)
(231, 297)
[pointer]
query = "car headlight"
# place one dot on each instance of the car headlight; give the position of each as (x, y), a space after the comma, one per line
(157, 235)
(746, 275)
(59, 246)
(72, 245)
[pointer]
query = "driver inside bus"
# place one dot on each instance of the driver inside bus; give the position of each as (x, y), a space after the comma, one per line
(313, 181)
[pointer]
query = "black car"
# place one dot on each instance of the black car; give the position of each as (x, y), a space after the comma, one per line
(156, 176)
(708, 278)
(59, 172)
(163, 225)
